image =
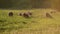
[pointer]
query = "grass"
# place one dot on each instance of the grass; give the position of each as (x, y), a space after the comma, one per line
(37, 24)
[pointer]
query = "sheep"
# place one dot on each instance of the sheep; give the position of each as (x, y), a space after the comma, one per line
(10, 13)
(25, 14)
(30, 13)
(48, 15)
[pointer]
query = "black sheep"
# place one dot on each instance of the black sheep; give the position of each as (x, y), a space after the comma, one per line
(10, 13)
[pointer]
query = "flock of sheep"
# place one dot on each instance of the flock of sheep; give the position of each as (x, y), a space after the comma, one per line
(26, 14)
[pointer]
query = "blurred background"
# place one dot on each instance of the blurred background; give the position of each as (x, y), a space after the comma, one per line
(29, 4)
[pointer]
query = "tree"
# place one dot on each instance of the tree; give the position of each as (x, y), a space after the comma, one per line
(5, 3)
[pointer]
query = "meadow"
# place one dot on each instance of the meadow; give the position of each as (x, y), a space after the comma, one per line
(38, 23)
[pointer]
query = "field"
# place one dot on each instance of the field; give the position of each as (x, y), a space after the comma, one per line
(38, 23)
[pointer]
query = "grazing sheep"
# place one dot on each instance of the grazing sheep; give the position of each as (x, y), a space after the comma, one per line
(48, 15)
(30, 13)
(26, 15)
(10, 13)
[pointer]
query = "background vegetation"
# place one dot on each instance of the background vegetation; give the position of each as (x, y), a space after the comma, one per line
(25, 4)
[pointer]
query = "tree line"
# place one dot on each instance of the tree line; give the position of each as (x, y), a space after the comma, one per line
(25, 4)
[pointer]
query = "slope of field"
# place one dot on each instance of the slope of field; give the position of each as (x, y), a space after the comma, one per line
(37, 24)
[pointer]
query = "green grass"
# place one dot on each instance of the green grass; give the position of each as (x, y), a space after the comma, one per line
(37, 23)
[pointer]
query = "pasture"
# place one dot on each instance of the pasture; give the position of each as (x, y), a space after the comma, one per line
(38, 23)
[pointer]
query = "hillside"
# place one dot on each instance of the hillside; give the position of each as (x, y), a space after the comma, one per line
(39, 23)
